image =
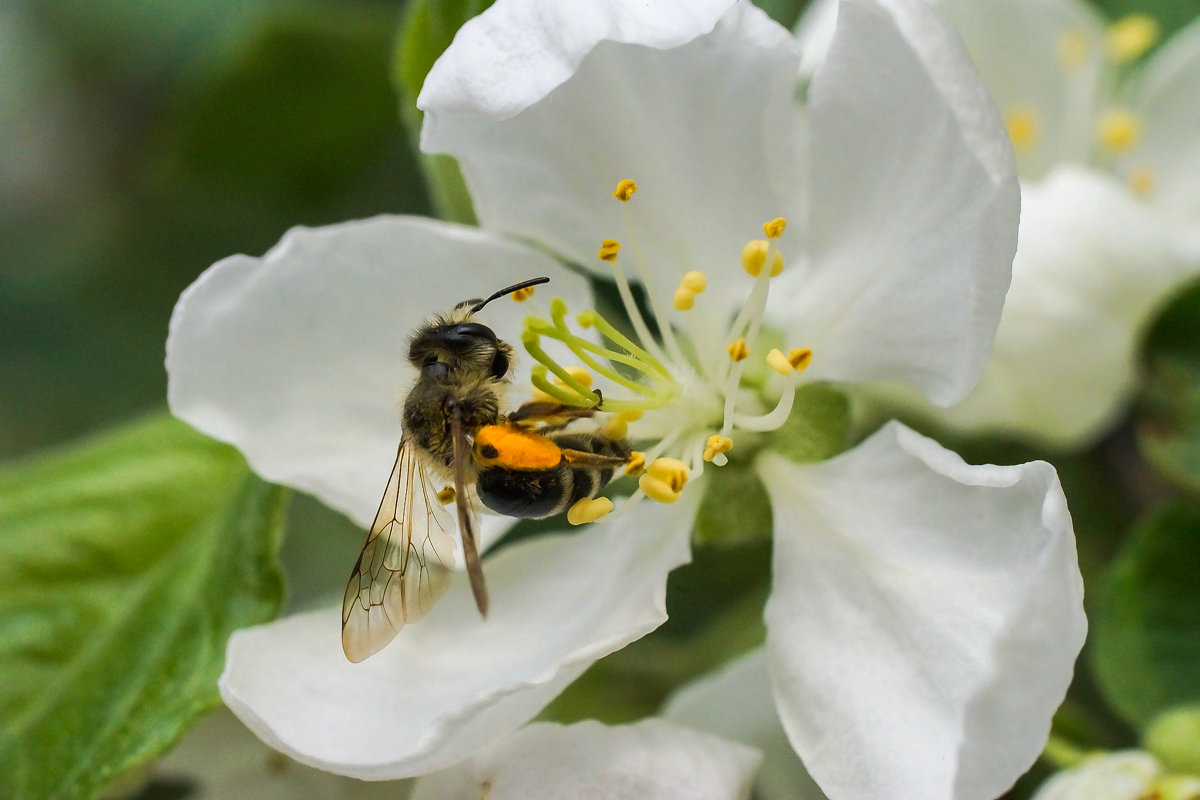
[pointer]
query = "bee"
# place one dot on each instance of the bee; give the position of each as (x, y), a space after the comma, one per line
(526, 463)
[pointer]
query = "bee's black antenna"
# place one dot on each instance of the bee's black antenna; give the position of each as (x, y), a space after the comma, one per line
(516, 287)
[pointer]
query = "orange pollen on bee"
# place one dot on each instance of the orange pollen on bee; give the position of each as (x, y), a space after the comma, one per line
(516, 448)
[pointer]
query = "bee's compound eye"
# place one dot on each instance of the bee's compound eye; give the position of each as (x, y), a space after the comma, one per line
(434, 369)
(500, 365)
(467, 333)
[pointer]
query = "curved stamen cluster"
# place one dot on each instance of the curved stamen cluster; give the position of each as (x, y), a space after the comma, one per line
(702, 393)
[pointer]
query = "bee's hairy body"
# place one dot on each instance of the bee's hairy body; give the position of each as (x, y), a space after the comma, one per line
(524, 463)
(464, 371)
(428, 411)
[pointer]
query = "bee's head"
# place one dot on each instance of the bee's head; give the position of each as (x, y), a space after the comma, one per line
(455, 345)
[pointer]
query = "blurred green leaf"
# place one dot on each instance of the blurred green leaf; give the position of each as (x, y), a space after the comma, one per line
(427, 30)
(785, 12)
(1146, 624)
(125, 564)
(1168, 421)
(291, 108)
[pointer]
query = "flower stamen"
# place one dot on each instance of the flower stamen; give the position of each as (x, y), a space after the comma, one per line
(588, 510)
(1119, 130)
(664, 479)
(1023, 127)
(715, 447)
(1130, 37)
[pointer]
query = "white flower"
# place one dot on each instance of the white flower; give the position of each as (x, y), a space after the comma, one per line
(925, 613)
(649, 760)
(1108, 148)
(1127, 775)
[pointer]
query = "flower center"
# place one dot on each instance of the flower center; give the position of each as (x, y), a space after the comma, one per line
(688, 377)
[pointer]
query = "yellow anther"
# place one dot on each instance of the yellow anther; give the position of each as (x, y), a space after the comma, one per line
(796, 360)
(521, 295)
(777, 361)
(615, 428)
(1141, 181)
(738, 350)
(754, 255)
(664, 480)
(632, 415)
(715, 445)
(1119, 130)
(588, 510)
(774, 228)
(608, 250)
(799, 358)
(446, 495)
(684, 299)
(1073, 48)
(636, 463)
(1023, 127)
(625, 190)
(694, 281)
(1130, 37)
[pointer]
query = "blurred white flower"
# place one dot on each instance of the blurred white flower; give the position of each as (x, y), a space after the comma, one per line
(1127, 775)
(1108, 148)
(648, 760)
(1107, 143)
(925, 614)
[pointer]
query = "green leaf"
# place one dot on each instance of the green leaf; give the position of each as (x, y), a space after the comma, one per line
(785, 12)
(1168, 421)
(1146, 625)
(296, 108)
(426, 31)
(125, 564)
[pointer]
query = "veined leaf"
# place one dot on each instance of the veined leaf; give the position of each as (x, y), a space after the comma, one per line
(1146, 624)
(125, 564)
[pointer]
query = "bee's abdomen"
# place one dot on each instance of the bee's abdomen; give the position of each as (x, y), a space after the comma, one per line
(531, 494)
(534, 494)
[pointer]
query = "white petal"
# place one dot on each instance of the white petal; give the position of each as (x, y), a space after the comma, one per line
(705, 128)
(299, 358)
(518, 51)
(924, 619)
(1119, 776)
(451, 683)
(1092, 264)
(220, 759)
(1167, 95)
(744, 685)
(914, 208)
(648, 760)
(1017, 47)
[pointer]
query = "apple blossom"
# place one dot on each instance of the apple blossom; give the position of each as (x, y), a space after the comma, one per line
(857, 227)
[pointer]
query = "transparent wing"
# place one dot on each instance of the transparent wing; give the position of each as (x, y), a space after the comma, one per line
(405, 564)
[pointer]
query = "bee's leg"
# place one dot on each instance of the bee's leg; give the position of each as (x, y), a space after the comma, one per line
(549, 413)
(580, 458)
